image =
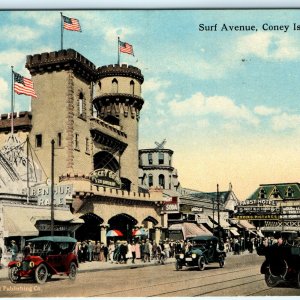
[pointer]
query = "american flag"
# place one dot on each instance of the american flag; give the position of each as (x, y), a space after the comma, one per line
(71, 24)
(126, 48)
(23, 85)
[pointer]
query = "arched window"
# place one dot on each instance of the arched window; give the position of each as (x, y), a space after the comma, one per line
(114, 85)
(81, 104)
(150, 180)
(100, 85)
(289, 192)
(132, 87)
(161, 180)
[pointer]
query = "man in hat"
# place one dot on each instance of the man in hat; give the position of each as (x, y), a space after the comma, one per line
(14, 250)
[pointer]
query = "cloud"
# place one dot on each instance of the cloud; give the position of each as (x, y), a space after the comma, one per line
(267, 45)
(155, 84)
(4, 102)
(222, 106)
(41, 18)
(285, 121)
(266, 111)
(19, 33)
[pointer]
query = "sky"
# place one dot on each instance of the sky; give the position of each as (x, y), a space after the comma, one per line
(227, 102)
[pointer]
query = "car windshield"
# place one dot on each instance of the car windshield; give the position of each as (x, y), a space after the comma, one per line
(43, 248)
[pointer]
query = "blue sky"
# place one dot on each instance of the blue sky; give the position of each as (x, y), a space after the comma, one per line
(228, 103)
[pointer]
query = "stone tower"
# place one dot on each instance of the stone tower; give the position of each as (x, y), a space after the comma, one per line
(118, 102)
(63, 81)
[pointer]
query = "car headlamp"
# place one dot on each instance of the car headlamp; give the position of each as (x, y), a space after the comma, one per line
(194, 255)
(31, 264)
(18, 264)
(181, 255)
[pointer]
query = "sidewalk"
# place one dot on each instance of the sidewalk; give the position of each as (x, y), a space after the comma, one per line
(95, 266)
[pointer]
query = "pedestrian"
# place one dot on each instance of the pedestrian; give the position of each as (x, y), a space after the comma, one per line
(27, 250)
(84, 251)
(142, 247)
(154, 250)
(117, 256)
(1, 252)
(138, 250)
(97, 251)
(111, 251)
(147, 251)
(167, 248)
(123, 252)
(105, 252)
(133, 251)
(14, 250)
(90, 250)
(101, 257)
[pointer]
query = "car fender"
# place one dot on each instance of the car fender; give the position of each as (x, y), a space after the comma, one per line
(12, 263)
(264, 267)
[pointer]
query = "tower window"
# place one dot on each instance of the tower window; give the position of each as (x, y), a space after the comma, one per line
(150, 159)
(160, 158)
(161, 180)
(87, 150)
(38, 140)
(76, 141)
(59, 139)
(132, 87)
(114, 85)
(81, 106)
(289, 192)
(150, 180)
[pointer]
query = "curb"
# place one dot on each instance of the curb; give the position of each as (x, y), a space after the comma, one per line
(121, 267)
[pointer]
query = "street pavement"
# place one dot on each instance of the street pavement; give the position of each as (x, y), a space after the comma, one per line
(95, 266)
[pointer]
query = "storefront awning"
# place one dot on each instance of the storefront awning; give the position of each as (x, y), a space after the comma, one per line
(190, 229)
(20, 221)
(223, 223)
(234, 232)
(245, 224)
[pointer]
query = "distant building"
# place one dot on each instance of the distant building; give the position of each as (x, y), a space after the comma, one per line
(273, 207)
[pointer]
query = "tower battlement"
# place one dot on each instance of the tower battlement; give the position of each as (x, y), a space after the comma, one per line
(123, 70)
(61, 60)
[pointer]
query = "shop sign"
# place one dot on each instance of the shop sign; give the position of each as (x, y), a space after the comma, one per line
(47, 227)
(105, 177)
(43, 194)
(258, 202)
(189, 209)
(290, 212)
(259, 217)
(197, 209)
(171, 205)
(258, 209)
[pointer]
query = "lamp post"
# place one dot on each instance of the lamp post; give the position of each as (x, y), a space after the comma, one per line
(52, 187)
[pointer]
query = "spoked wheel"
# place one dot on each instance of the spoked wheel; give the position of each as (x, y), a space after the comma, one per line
(201, 263)
(298, 280)
(41, 274)
(177, 266)
(271, 280)
(73, 271)
(13, 274)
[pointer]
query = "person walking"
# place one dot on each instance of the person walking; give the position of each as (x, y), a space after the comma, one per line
(90, 250)
(97, 251)
(105, 253)
(111, 251)
(147, 251)
(14, 250)
(133, 251)
(101, 257)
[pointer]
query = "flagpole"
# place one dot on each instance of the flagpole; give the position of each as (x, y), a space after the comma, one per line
(118, 50)
(61, 30)
(12, 100)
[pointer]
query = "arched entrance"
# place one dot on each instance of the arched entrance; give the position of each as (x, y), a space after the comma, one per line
(150, 223)
(90, 230)
(124, 223)
(105, 160)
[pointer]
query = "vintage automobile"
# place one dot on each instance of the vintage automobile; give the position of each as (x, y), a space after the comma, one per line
(50, 255)
(203, 251)
(282, 261)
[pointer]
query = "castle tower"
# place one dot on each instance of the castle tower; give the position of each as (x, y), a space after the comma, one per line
(63, 83)
(118, 102)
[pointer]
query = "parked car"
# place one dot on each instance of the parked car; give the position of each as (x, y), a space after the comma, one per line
(282, 261)
(50, 255)
(204, 250)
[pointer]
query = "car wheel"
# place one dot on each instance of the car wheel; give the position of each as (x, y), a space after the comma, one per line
(298, 280)
(201, 263)
(271, 280)
(72, 271)
(177, 266)
(41, 274)
(13, 274)
(49, 276)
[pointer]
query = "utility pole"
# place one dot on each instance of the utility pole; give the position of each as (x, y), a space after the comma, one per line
(218, 207)
(52, 187)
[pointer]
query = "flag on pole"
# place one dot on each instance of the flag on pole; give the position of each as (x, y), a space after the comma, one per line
(23, 85)
(126, 48)
(71, 24)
